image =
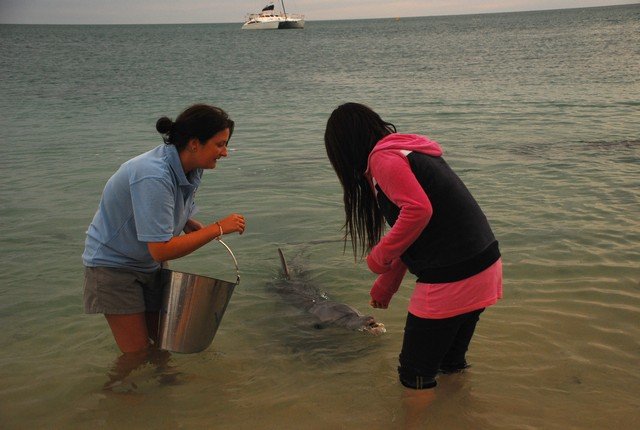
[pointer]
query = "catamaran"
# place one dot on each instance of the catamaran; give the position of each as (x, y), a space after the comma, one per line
(269, 19)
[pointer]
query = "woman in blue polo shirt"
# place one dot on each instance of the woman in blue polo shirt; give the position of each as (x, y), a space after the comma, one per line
(145, 206)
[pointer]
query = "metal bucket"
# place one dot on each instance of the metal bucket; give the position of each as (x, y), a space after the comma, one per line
(192, 309)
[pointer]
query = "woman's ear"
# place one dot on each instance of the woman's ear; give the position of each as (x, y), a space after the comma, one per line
(193, 144)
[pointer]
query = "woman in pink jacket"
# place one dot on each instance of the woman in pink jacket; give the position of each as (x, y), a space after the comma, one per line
(438, 233)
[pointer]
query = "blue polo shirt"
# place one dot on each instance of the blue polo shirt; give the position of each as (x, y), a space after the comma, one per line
(148, 199)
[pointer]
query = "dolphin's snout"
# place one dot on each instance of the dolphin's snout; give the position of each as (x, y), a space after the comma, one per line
(375, 328)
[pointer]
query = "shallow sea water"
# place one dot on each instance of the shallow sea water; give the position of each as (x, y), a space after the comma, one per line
(537, 112)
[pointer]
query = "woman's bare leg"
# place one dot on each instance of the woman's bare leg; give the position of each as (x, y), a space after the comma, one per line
(132, 337)
(415, 404)
(130, 331)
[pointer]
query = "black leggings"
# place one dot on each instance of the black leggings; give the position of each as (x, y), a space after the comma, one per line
(434, 345)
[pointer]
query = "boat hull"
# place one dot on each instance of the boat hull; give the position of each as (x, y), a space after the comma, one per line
(274, 25)
(285, 25)
(265, 25)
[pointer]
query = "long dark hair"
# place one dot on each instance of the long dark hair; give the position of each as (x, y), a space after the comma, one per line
(352, 131)
(198, 121)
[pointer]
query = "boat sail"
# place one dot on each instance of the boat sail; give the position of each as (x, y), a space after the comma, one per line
(270, 19)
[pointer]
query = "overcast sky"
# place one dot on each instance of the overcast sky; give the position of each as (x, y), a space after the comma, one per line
(214, 11)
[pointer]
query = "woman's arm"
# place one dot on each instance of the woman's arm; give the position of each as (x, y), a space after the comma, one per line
(393, 174)
(192, 225)
(179, 246)
(387, 284)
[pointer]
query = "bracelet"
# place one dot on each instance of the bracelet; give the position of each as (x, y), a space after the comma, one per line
(220, 227)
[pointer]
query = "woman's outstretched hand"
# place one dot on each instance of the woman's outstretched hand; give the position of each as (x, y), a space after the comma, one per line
(233, 223)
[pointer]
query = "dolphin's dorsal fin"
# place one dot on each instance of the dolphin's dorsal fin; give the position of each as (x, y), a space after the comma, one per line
(283, 262)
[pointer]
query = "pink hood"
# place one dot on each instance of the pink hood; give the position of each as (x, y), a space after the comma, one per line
(407, 142)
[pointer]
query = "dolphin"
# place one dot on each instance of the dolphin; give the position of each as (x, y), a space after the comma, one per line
(328, 312)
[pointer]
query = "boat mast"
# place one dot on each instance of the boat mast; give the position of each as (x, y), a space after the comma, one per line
(283, 9)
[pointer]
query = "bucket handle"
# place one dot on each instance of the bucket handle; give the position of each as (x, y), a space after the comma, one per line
(234, 259)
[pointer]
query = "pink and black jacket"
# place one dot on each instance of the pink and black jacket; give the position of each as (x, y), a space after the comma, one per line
(438, 230)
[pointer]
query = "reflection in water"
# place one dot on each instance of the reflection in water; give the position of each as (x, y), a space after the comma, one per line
(130, 361)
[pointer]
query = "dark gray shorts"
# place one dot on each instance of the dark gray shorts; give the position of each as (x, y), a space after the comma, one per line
(109, 290)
